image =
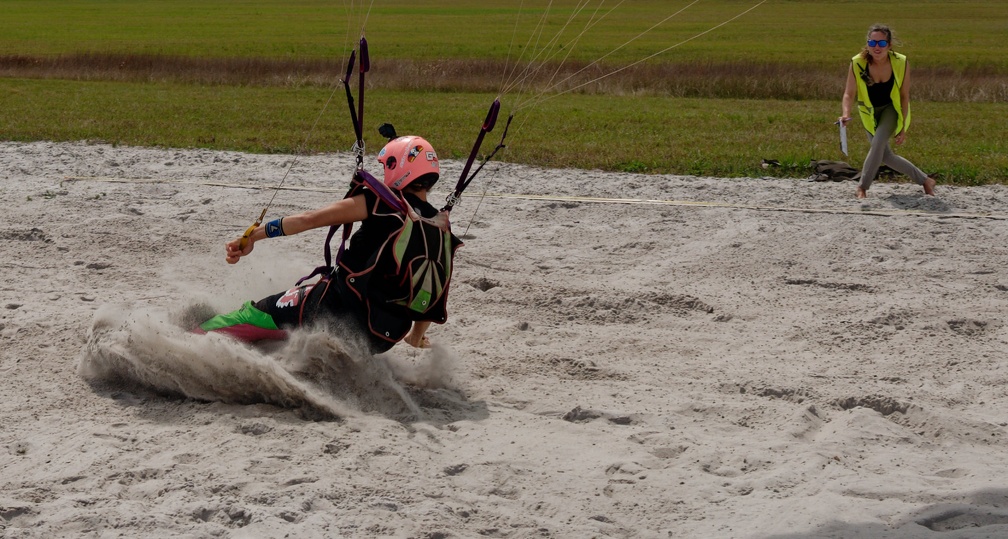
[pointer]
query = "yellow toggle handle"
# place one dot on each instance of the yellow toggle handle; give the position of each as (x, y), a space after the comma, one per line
(248, 231)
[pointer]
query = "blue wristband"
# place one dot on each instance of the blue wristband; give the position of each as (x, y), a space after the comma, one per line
(274, 228)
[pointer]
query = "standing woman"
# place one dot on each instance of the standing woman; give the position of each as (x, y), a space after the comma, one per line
(879, 80)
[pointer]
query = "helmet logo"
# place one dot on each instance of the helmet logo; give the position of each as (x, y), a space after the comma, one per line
(413, 153)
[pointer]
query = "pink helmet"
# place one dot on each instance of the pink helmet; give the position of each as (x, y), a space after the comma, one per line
(405, 159)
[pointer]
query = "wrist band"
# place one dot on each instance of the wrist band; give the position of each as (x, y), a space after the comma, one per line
(274, 228)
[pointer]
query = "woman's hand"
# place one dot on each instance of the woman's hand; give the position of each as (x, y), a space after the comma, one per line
(900, 137)
(843, 120)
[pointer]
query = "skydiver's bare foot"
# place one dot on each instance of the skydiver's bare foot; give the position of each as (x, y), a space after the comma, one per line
(861, 193)
(929, 185)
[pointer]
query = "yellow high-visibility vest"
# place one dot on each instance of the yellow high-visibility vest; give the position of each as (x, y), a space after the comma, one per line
(865, 108)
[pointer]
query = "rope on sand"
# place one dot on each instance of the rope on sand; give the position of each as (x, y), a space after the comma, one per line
(793, 209)
(593, 200)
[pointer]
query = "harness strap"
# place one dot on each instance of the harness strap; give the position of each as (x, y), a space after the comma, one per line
(361, 179)
(304, 301)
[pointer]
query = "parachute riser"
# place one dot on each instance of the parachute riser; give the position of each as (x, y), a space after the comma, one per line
(357, 113)
(465, 177)
(365, 66)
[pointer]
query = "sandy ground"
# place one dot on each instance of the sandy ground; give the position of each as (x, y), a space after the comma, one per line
(724, 358)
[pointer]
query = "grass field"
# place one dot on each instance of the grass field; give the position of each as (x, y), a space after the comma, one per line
(255, 75)
(948, 33)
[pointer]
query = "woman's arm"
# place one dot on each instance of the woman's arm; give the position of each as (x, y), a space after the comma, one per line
(904, 104)
(347, 210)
(850, 92)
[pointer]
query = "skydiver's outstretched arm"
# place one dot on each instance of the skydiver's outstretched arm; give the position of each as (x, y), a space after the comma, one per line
(343, 211)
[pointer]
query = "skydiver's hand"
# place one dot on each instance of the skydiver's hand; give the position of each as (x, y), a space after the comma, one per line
(234, 252)
(422, 342)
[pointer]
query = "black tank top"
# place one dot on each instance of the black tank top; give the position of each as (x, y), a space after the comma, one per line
(880, 93)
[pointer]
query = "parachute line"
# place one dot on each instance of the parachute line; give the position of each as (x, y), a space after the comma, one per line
(518, 78)
(542, 99)
(570, 49)
(304, 144)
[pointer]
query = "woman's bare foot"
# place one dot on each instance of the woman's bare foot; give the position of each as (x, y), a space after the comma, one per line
(929, 185)
(861, 193)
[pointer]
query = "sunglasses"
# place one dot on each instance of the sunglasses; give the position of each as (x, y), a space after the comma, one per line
(881, 43)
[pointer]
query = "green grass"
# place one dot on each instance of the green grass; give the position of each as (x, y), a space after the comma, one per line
(765, 85)
(963, 143)
(948, 33)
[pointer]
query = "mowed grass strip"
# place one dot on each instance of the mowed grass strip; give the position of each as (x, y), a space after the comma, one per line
(962, 143)
(700, 79)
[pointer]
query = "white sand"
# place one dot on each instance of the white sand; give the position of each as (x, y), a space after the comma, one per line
(776, 360)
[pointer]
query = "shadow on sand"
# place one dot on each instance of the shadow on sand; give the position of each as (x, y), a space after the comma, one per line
(982, 514)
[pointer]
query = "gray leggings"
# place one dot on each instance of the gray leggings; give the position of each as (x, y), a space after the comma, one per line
(880, 152)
